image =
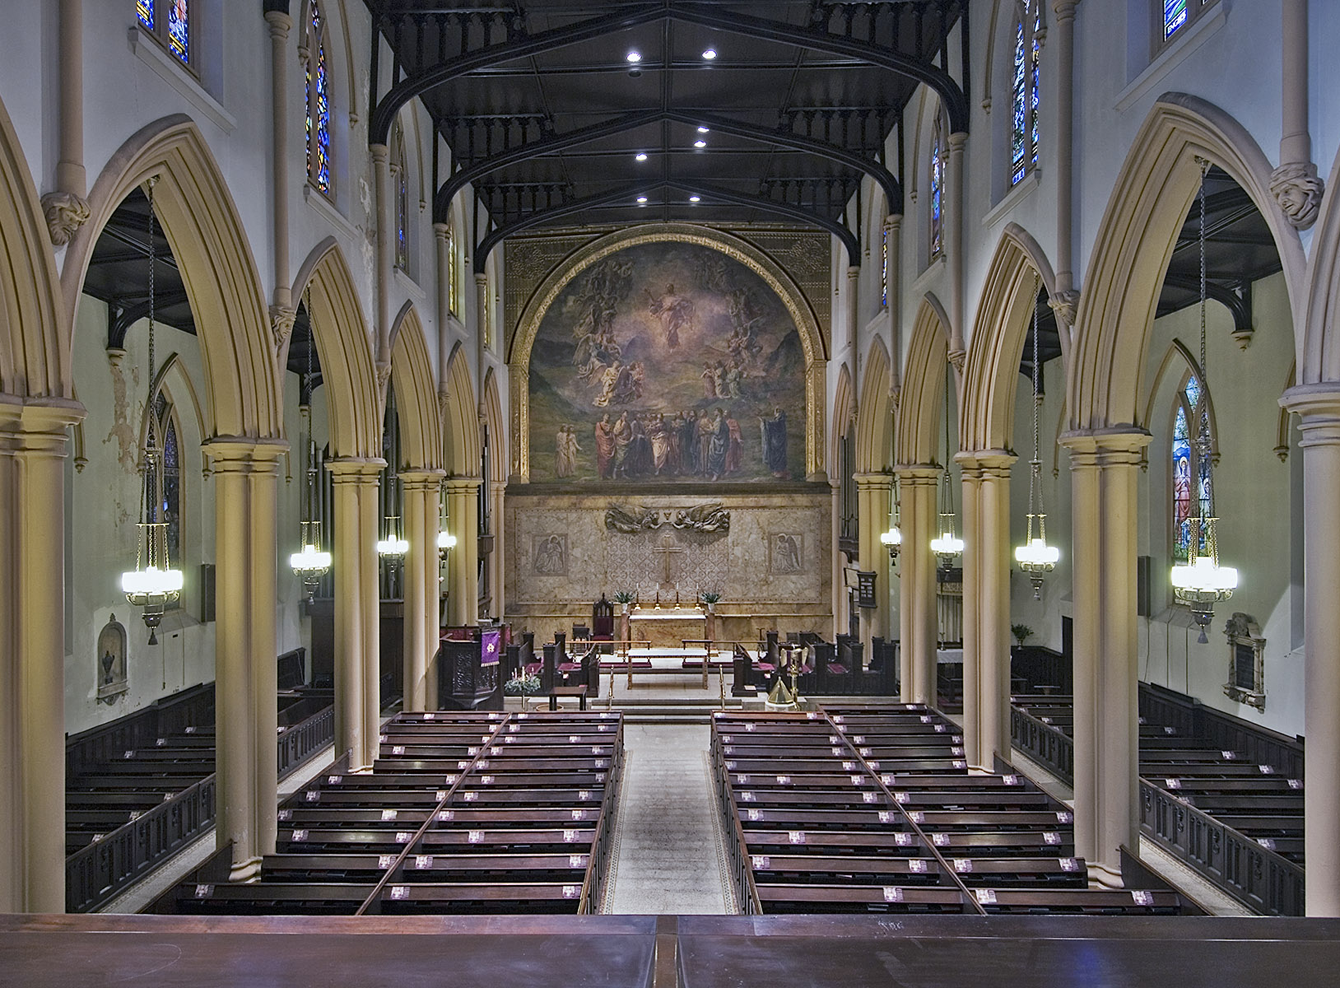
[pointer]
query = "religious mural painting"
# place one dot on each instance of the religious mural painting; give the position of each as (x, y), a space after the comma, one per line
(667, 363)
(786, 553)
(549, 555)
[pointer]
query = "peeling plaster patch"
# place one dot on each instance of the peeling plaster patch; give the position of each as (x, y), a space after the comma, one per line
(365, 195)
(122, 432)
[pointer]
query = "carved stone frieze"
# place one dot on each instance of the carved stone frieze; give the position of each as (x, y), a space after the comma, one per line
(709, 518)
(281, 324)
(1297, 190)
(65, 213)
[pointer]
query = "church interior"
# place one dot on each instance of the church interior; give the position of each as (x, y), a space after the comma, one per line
(669, 492)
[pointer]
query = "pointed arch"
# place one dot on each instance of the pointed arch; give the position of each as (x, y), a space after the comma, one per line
(873, 423)
(844, 413)
(202, 225)
(34, 342)
(491, 413)
(1004, 320)
(462, 454)
(344, 346)
(1320, 356)
(415, 391)
(1153, 192)
(923, 385)
(1180, 361)
(174, 377)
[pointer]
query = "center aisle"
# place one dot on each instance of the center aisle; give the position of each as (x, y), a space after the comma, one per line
(669, 856)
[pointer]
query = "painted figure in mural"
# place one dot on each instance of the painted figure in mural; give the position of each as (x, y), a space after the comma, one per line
(639, 450)
(786, 554)
(623, 436)
(734, 375)
(709, 381)
(565, 451)
(720, 445)
(661, 436)
(549, 556)
(688, 442)
(719, 380)
(705, 430)
(628, 385)
(735, 451)
(675, 312)
(774, 443)
(604, 448)
(609, 381)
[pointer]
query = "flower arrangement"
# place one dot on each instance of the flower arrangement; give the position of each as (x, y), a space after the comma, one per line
(1021, 632)
(522, 685)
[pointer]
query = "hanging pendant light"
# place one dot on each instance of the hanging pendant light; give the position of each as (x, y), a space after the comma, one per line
(893, 538)
(392, 545)
(312, 562)
(445, 540)
(947, 545)
(1201, 582)
(153, 583)
(1035, 557)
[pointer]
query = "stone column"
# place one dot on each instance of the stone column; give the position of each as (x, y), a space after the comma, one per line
(381, 180)
(498, 568)
(1104, 505)
(484, 336)
(32, 653)
(357, 607)
(66, 207)
(1065, 299)
(280, 25)
(246, 479)
(875, 494)
(1318, 406)
(893, 227)
(957, 349)
(419, 490)
(1295, 184)
(854, 306)
(463, 579)
(986, 591)
(917, 594)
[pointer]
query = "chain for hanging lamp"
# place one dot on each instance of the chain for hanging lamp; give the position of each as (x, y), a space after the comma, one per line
(1035, 557)
(947, 544)
(445, 540)
(392, 546)
(1201, 582)
(893, 538)
(153, 583)
(312, 562)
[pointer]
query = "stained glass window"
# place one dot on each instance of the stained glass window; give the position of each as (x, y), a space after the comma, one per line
(1174, 15)
(1190, 477)
(453, 298)
(169, 21)
(884, 269)
(317, 88)
(937, 189)
(400, 183)
(1025, 89)
(163, 472)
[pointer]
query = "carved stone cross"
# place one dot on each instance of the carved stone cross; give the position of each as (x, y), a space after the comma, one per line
(668, 550)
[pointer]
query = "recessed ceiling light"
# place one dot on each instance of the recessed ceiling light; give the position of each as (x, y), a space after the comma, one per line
(710, 54)
(695, 199)
(634, 56)
(642, 199)
(641, 156)
(702, 130)
(700, 144)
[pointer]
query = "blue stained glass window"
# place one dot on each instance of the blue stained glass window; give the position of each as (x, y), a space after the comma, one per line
(884, 270)
(179, 34)
(937, 191)
(318, 102)
(1025, 90)
(1190, 471)
(1174, 16)
(400, 176)
(144, 9)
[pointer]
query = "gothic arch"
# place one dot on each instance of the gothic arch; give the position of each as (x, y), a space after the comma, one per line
(490, 412)
(1320, 358)
(415, 391)
(1179, 361)
(807, 325)
(353, 398)
(844, 415)
(873, 423)
(201, 223)
(1149, 202)
(923, 386)
(34, 346)
(461, 435)
(1004, 320)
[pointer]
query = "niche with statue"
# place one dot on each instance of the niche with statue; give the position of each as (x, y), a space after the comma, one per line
(112, 680)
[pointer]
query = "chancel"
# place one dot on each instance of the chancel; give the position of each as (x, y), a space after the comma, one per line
(607, 472)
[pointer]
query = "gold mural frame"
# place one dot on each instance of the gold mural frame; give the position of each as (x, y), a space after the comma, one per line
(757, 261)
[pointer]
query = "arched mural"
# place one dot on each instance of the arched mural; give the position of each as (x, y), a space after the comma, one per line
(667, 362)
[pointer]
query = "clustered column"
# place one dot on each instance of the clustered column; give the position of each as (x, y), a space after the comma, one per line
(874, 495)
(1104, 468)
(246, 478)
(917, 598)
(32, 653)
(421, 576)
(463, 572)
(357, 609)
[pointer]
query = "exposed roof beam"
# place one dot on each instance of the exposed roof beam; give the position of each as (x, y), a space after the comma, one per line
(893, 192)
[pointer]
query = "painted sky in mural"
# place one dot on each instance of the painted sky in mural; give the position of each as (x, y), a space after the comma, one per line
(667, 362)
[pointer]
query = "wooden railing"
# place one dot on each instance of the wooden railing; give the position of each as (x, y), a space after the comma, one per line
(1049, 746)
(113, 862)
(1255, 875)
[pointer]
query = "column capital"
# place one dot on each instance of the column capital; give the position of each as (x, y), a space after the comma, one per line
(873, 481)
(1064, 9)
(381, 154)
(957, 141)
(234, 454)
(987, 462)
(422, 480)
(1318, 409)
(1106, 447)
(37, 424)
(892, 222)
(463, 485)
(356, 469)
(280, 24)
(918, 474)
(440, 231)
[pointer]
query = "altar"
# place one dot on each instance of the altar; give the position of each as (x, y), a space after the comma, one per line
(667, 627)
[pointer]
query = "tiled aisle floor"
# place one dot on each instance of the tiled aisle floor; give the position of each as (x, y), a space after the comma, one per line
(669, 855)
